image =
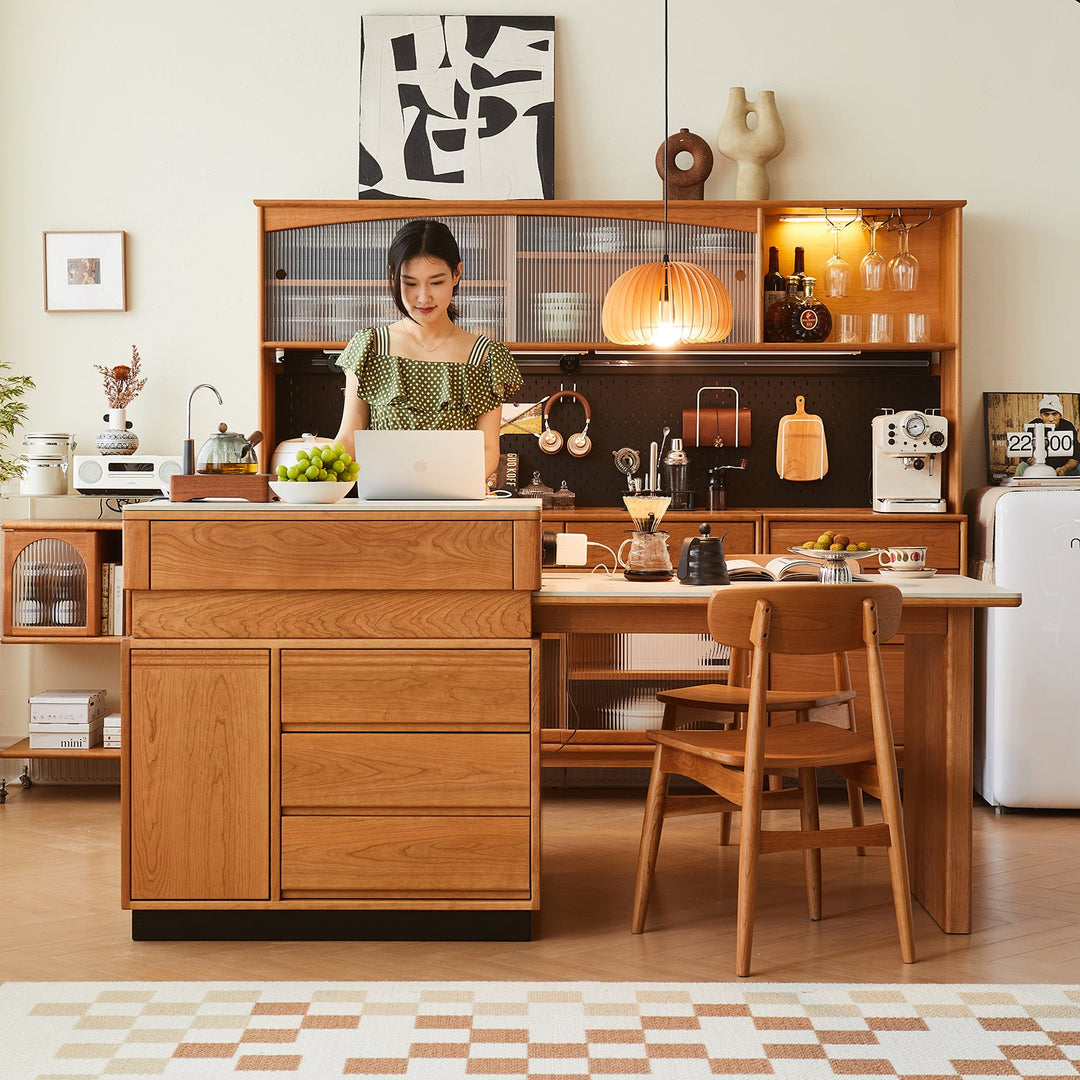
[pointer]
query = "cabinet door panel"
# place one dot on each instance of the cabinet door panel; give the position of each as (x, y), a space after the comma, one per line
(405, 856)
(405, 771)
(200, 774)
(739, 537)
(407, 689)
(942, 539)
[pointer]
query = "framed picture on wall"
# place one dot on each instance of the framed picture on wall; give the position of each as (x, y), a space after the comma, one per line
(457, 107)
(84, 271)
(1010, 442)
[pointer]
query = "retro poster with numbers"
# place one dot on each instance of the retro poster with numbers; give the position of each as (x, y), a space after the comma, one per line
(457, 107)
(1021, 428)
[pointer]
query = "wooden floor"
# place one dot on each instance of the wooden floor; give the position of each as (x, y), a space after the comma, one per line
(60, 916)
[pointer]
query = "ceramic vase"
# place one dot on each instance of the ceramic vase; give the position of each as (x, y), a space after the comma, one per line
(751, 147)
(117, 438)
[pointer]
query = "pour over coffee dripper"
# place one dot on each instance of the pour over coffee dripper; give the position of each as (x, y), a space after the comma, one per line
(647, 510)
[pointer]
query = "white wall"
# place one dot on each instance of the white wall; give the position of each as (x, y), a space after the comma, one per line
(167, 121)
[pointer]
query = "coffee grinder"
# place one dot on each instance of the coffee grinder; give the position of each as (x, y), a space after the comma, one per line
(907, 465)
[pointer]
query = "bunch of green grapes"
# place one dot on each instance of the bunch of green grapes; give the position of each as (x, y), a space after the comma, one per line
(321, 463)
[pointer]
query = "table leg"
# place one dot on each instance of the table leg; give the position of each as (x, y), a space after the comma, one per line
(938, 674)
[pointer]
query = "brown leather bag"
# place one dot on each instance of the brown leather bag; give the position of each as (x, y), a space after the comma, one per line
(717, 427)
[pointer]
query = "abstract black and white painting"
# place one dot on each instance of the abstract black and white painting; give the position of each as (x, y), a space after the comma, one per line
(457, 107)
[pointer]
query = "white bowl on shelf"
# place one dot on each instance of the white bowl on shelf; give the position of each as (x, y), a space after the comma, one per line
(312, 493)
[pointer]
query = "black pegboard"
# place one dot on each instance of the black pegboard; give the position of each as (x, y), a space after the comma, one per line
(630, 407)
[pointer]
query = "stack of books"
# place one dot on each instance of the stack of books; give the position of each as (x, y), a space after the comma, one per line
(111, 731)
(66, 719)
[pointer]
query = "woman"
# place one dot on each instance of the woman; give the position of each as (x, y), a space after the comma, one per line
(424, 371)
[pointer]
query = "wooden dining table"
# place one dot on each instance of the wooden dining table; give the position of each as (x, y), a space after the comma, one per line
(938, 628)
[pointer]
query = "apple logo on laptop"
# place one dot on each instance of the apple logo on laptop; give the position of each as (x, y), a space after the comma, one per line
(420, 466)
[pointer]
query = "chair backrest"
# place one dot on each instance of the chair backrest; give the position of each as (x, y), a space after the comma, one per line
(805, 617)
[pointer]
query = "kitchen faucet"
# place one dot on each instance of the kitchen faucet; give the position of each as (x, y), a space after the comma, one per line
(188, 455)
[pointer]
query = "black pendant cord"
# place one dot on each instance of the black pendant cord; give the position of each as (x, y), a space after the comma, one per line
(667, 254)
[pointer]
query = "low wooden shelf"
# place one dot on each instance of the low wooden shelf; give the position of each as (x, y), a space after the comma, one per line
(23, 749)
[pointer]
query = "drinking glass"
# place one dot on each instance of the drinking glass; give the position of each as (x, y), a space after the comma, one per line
(872, 267)
(849, 327)
(837, 269)
(917, 325)
(903, 273)
(880, 326)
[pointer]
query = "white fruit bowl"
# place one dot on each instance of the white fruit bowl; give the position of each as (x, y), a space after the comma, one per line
(314, 492)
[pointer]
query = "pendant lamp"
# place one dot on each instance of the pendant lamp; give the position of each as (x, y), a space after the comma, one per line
(666, 303)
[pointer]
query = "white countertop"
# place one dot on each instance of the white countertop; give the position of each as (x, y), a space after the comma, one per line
(493, 504)
(942, 587)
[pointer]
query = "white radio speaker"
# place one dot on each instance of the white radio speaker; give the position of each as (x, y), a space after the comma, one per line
(124, 474)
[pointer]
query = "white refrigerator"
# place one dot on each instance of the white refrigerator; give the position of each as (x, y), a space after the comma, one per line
(1027, 743)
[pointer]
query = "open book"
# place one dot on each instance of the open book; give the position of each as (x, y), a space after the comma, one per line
(782, 568)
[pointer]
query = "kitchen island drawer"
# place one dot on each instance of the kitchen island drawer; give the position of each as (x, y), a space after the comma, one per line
(330, 553)
(408, 856)
(415, 771)
(407, 689)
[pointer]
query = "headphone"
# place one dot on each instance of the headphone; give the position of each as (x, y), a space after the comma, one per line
(551, 442)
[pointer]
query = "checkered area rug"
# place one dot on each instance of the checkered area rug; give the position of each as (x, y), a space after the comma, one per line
(535, 1031)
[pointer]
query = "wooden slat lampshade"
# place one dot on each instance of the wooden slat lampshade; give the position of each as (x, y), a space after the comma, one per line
(665, 304)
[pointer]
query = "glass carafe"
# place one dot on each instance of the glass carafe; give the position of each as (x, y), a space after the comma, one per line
(649, 559)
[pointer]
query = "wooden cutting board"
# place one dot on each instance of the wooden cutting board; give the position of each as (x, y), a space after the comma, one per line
(801, 453)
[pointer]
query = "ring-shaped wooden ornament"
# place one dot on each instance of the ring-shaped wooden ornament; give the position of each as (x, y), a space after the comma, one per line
(685, 183)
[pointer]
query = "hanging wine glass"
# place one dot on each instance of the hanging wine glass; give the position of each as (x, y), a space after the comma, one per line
(873, 265)
(903, 272)
(837, 275)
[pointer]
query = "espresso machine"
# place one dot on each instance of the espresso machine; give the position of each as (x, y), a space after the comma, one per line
(907, 467)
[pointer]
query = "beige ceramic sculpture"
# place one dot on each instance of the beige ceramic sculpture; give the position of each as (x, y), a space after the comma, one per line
(751, 147)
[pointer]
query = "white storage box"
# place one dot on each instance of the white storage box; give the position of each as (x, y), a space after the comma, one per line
(67, 706)
(51, 739)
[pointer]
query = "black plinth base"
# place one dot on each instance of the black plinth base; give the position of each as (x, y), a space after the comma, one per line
(331, 925)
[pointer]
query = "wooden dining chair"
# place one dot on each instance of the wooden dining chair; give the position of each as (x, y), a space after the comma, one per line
(802, 619)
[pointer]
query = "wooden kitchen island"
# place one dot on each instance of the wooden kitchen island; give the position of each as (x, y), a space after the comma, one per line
(331, 717)
(330, 721)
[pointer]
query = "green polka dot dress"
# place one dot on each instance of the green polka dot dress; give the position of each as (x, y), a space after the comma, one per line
(408, 395)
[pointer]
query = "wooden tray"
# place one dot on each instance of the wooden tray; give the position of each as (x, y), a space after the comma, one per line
(183, 487)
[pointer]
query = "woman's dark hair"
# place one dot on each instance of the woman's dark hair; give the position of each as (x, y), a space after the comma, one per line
(420, 237)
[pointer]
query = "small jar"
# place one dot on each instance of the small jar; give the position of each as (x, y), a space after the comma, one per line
(537, 489)
(563, 499)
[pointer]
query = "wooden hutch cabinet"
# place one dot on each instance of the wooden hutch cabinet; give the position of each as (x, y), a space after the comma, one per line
(323, 277)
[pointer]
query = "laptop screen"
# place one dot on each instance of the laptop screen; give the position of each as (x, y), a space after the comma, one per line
(396, 465)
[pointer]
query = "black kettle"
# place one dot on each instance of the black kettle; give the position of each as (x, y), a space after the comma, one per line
(701, 560)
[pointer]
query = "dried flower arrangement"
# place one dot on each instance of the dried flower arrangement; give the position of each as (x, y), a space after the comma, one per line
(122, 383)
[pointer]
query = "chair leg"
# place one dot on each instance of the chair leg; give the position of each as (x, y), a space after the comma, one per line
(651, 827)
(893, 814)
(749, 848)
(810, 820)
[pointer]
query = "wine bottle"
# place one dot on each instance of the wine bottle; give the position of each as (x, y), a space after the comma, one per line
(799, 270)
(775, 286)
(806, 320)
(778, 316)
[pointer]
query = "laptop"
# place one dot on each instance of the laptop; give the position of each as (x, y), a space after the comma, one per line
(399, 465)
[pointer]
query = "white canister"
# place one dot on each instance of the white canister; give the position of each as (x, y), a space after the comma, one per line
(46, 462)
(43, 476)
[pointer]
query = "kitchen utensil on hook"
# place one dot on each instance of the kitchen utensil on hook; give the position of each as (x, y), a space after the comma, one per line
(627, 461)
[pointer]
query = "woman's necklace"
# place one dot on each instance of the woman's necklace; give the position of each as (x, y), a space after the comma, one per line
(433, 348)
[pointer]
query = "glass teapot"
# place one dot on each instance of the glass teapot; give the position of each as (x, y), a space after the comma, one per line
(229, 452)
